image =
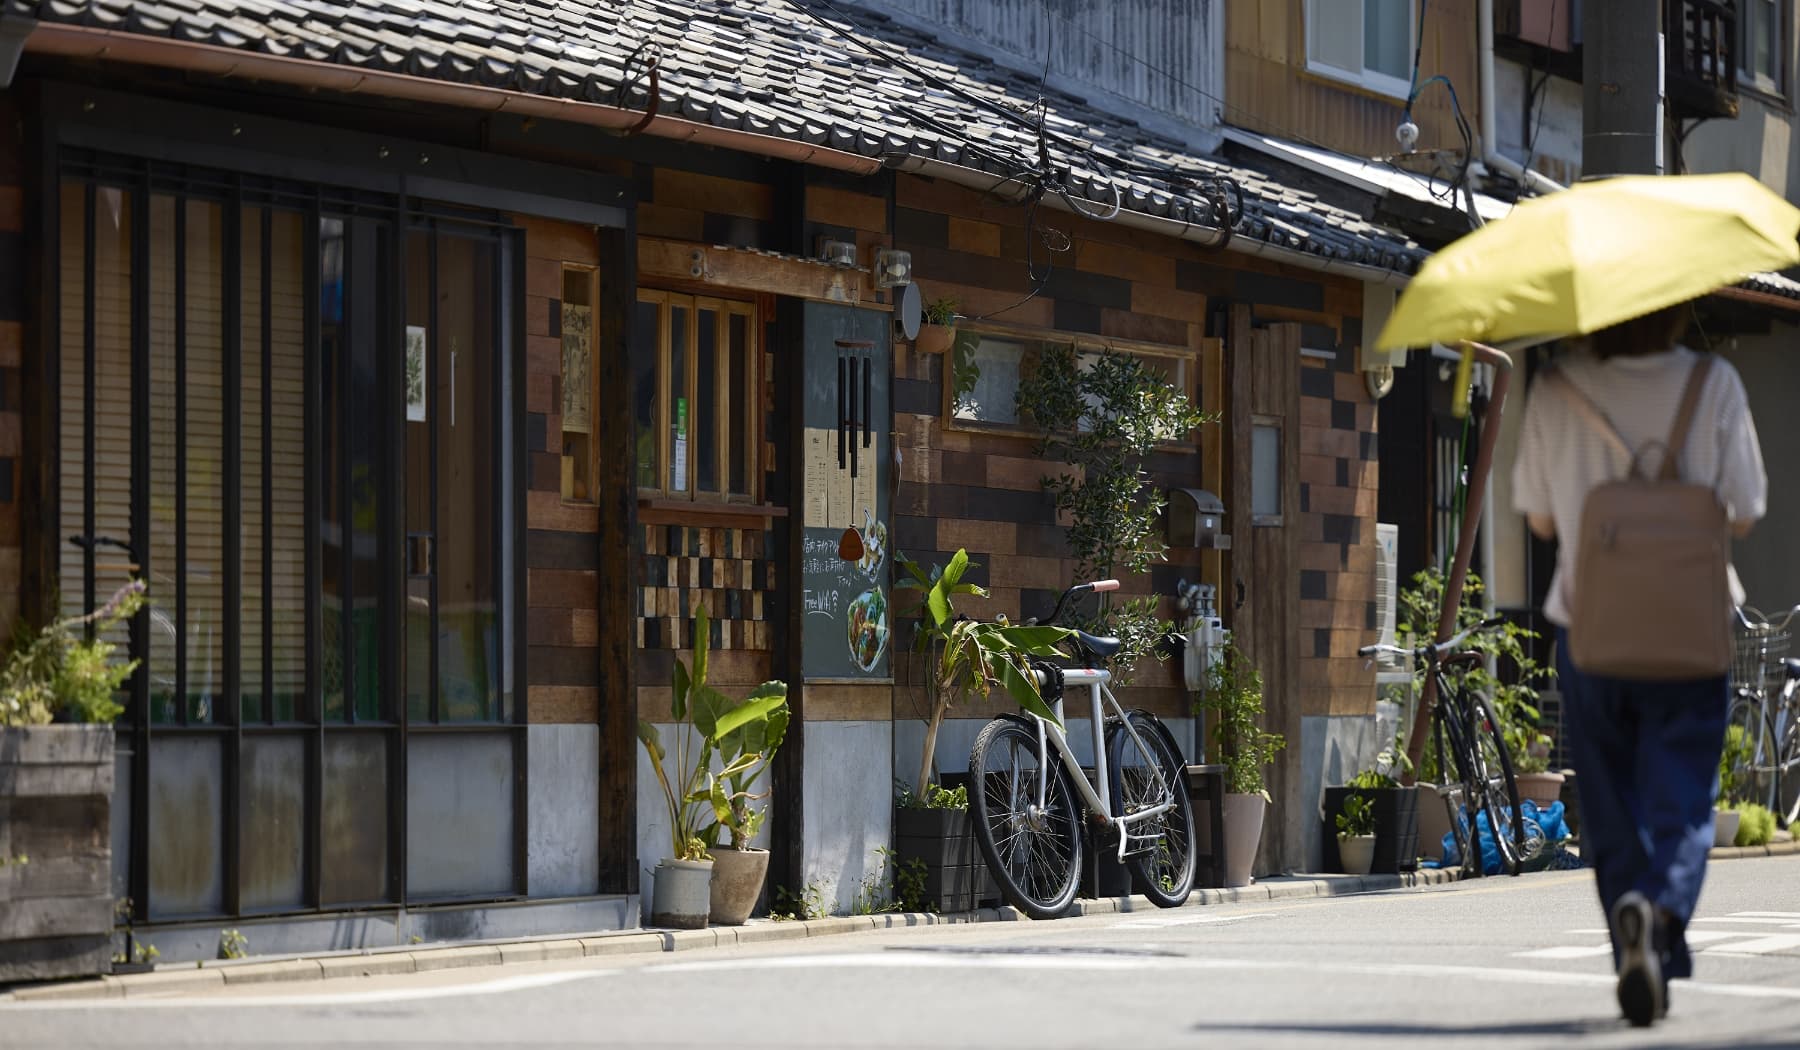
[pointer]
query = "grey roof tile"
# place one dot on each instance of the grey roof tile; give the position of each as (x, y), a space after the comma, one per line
(764, 66)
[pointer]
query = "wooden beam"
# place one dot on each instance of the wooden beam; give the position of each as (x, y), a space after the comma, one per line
(747, 270)
(616, 540)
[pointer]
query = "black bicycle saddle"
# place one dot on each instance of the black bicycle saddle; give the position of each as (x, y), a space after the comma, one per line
(1103, 648)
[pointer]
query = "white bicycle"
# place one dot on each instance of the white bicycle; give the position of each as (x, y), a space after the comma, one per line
(1024, 806)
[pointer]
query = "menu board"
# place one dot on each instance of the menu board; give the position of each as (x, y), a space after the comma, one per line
(847, 458)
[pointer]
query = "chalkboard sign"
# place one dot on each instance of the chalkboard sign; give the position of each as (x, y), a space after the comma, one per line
(845, 549)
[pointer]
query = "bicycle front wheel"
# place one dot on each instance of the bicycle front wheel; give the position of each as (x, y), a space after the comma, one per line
(1161, 852)
(1498, 793)
(1032, 849)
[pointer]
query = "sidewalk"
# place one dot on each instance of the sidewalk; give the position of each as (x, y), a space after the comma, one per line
(183, 979)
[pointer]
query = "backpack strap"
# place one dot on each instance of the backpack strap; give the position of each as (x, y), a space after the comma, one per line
(1690, 398)
(1592, 411)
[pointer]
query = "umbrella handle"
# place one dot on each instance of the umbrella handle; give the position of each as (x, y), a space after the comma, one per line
(1465, 374)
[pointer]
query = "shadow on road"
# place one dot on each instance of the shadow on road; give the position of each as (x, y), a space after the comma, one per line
(1420, 1029)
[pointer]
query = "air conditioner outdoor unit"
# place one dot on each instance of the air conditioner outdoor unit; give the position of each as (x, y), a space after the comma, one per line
(1387, 598)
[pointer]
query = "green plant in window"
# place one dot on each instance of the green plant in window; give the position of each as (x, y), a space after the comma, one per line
(1104, 414)
(56, 671)
(964, 372)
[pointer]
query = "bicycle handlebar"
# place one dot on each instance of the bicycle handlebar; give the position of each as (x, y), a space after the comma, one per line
(1094, 586)
(1430, 654)
(1753, 619)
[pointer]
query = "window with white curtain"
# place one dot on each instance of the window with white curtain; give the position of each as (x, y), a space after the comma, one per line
(1366, 42)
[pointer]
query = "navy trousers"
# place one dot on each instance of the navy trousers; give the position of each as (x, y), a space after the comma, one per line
(1646, 758)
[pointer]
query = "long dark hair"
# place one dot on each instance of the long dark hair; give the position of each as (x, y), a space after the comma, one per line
(1651, 333)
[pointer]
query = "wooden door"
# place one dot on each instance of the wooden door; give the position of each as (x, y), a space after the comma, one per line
(1262, 596)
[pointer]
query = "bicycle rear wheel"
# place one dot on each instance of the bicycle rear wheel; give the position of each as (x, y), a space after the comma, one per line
(1162, 866)
(1499, 792)
(1462, 818)
(1034, 852)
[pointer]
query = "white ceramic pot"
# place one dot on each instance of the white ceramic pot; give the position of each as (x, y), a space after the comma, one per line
(1356, 852)
(737, 880)
(1725, 826)
(1541, 788)
(1243, 832)
(682, 895)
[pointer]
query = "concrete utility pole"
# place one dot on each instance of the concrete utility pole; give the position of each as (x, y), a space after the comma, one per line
(1621, 87)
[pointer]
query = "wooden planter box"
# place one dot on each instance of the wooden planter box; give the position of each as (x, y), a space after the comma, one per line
(1396, 828)
(56, 910)
(956, 876)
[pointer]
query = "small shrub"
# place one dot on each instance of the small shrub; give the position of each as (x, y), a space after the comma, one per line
(1357, 818)
(1756, 825)
(233, 945)
(936, 797)
(809, 903)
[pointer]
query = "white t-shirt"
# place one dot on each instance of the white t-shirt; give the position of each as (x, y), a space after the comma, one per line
(1563, 454)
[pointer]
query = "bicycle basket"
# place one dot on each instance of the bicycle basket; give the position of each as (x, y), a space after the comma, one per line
(1757, 656)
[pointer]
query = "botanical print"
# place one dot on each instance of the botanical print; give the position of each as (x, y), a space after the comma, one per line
(577, 382)
(415, 373)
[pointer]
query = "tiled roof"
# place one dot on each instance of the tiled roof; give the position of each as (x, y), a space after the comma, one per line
(766, 66)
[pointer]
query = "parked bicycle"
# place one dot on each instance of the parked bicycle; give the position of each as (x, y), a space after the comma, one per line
(1765, 706)
(1469, 742)
(1027, 807)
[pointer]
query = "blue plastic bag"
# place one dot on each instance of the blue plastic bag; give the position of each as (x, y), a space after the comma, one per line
(1546, 821)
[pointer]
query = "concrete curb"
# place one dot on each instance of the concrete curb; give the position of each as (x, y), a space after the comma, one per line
(209, 976)
(1789, 848)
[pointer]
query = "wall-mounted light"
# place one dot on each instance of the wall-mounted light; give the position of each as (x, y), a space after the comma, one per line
(892, 267)
(838, 253)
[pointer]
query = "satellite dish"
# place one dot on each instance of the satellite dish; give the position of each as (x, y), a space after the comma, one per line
(908, 310)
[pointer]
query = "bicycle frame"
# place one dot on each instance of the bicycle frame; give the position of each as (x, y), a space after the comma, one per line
(1096, 796)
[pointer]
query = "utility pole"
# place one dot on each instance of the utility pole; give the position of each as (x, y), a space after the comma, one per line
(1621, 87)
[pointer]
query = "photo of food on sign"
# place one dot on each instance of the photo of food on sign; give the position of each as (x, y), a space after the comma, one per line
(874, 545)
(868, 630)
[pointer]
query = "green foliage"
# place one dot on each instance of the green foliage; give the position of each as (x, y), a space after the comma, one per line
(809, 903)
(1737, 755)
(894, 885)
(970, 657)
(1756, 825)
(1233, 704)
(936, 796)
(1513, 691)
(941, 311)
(56, 671)
(1104, 414)
(744, 734)
(909, 885)
(1357, 818)
(964, 372)
(1390, 765)
(233, 945)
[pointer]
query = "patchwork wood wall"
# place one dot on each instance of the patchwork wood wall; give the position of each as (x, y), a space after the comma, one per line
(561, 541)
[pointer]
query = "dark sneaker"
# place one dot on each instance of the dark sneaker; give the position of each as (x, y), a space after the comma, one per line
(1642, 995)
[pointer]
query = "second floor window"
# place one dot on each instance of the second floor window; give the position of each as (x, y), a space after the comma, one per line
(1366, 42)
(1760, 45)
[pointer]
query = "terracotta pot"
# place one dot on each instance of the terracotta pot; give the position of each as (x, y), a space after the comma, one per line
(1541, 788)
(1243, 831)
(737, 880)
(934, 338)
(681, 897)
(1356, 852)
(1725, 826)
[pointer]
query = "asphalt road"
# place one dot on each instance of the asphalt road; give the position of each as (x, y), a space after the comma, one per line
(1498, 962)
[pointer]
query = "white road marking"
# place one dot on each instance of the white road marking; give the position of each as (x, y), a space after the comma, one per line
(394, 995)
(1737, 920)
(1791, 916)
(1565, 951)
(1779, 942)
(1164, 922)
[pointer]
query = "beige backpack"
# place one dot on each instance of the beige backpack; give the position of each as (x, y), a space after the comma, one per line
(1652, 598)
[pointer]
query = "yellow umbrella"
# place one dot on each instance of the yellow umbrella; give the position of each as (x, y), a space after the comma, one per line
(1594, 255)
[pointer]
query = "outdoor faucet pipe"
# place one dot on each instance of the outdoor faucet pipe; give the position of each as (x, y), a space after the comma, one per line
(1465, 541)
(1490, 152)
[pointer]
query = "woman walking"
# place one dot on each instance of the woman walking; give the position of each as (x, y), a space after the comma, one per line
(1645, 753)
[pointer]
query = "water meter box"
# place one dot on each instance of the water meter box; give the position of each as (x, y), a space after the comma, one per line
(1197, 519)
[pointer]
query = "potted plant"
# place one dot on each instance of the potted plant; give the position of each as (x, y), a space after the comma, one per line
(1233, 706)
(1393, 808)
(1737, 755)
(963, 658)
(682, 893)
(745, 736)
(1529, 748)
(939, 329)
(58, 692)
(1356, 834)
